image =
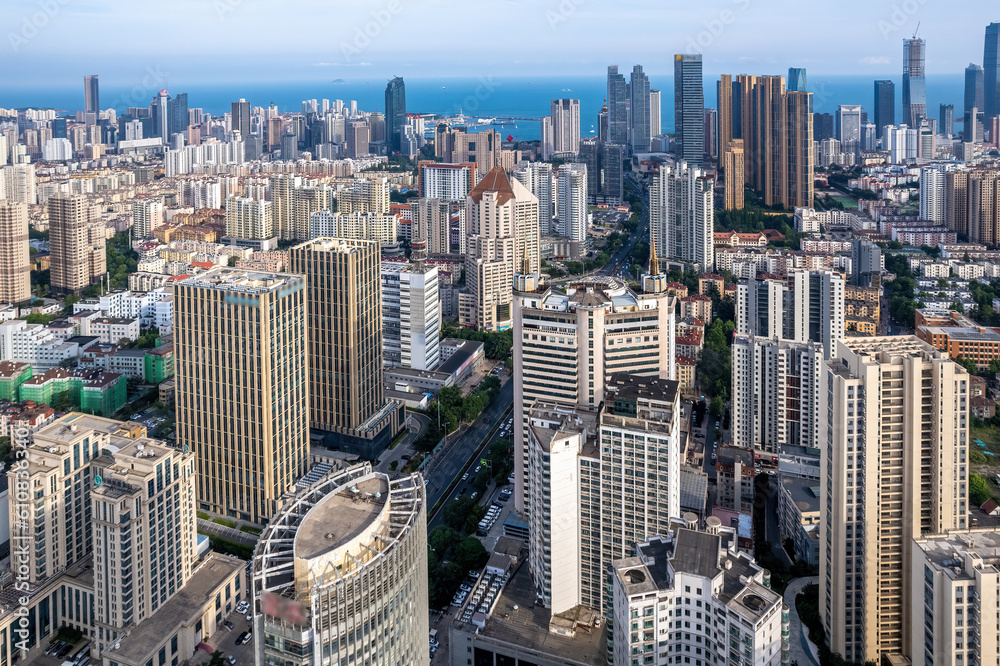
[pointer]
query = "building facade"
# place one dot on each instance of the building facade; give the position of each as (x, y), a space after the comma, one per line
(15, 266)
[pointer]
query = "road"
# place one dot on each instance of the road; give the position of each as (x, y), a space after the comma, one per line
(613, 267)
(772, 533)
(418, 424)
(802, 651)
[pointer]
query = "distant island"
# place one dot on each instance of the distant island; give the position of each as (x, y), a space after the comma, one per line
(338, 82)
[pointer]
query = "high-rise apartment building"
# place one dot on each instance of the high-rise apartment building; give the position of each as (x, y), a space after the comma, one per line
(358, 139)
(76, 243)
(775, 393)
(617, 103)
(457, 146)
(15, 264)
(689, 108)
(638, 110)
(573, 219)
(348, 406)
(539, 179)
(91, 96)
(565, 115)
(991, 72)
(19, 183)
(147, 215)
(894, 467)
(682, 214)
(554, 357)
(956, 201)
(733, 179)
(242, 391)
(604, 170)
(932, 194)
(981, 207)
(432, 225)
(347, 552)
(797, 79)
(800, 307)
(914, 82)
(501, 216)
(411, 315)
(395, 113)
(451, 182)
(712, 134)
(885, 105)
(249, 219)
(655, 113)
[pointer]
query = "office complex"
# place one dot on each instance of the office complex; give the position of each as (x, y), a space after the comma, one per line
(638, 110)
(565, 117)
(15, 265)
(604, 170)
(775, 393)
(454, 145)
(914, 83)
(573, 219)
(411, 315)
(655, 113)
(848, 127)
(76, 237)
(946, 119)
(689, 108)
(501, 217)
(348, 551)
(682, 214)
(617, 101)
(395, 114)
(553, 332)
(344, 309)
(885, 105)
(895, 437)
(91, 97)
(249, 219)
(975, 99)
(242, 393)
(451, 182)
(733, 175)
(800, 307)
(991, 72)
(729, 612)
(240, 117)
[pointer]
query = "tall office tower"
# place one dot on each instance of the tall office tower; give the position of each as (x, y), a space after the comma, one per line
(349, 551)
(975, 100)
(956, 201)
(395, 113)
(712, 134)
(869, 137)
(599, 481)
(411, 315)
(991, 72)
(638, 110)
(946, 120)
(501, 216)
(823, 126)
(15, 266)
(19, 183)
(803, 306)
(733, 179)
(573, 217)
(431, 223)
(590, 154)
(682, 214)
(538, 178)
(730, 126)
(894, 468)
(565, 115)
(348, 406)
(249, 219)
(76, 244)
(797, 79)
(602, 122)
(546, 141)
(932, 195)
(914, 84)
(376, 127)
(848, 120)
(91, 95)
(689, 108)
(570, 339)
(177, 115)
(613, 172)
(617, 102)
(655, 113)
(451, 182)
(161, 116)
(289, 146)
(147, 215)
(775, 393)
(358, 139)
(242, 392)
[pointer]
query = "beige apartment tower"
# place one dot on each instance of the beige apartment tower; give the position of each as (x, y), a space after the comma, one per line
(242, 387)
(733, 175)
(76, 238)
(15, 267)
(893, 468)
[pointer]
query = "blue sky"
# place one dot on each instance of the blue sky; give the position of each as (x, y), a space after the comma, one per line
(55, 41)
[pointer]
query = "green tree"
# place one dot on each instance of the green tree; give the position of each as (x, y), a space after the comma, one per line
(456, 512)
(471, 554)
(977, 457)
(482, 479)
(716, 407)
(979, 490)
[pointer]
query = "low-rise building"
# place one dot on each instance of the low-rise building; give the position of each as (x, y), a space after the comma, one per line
(861, 310)
(93, 391)
(735, 478)
(798, 516)
(698, 306)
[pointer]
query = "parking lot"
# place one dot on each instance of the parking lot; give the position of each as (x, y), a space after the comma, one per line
(225, 640)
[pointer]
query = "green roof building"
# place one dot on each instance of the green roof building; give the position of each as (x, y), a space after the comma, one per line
(12, 375)
(92, 391)
(159, 364)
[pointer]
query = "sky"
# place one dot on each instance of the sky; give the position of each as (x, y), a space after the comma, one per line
(53, 42)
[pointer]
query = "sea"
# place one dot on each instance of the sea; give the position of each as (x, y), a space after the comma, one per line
(522, 99)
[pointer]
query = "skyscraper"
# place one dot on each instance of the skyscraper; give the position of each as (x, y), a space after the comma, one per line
(161, 116)
(395, 113)
(571, 195)
(733, 178)
(242, 387)
(618, 102)
(797, 79)
(91, 95)
(539, 179)
(991, 72)
(15, 266)
(895, 432)
(411, 315)
(565, 115)
(177, 115)
(348, 409)
(932, 195)
(639, 110)
(975, 83)
(946, 119)
(682, 215)
(76, 238)
(655, 113)
(848, 121)
(351, 549)
(689, 108)
(240, 118)
(914, 84)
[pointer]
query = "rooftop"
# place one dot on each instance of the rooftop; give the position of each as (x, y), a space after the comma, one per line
(804, 492)
(947, 552)
(696, 553)
(340, 517)
(494, 181)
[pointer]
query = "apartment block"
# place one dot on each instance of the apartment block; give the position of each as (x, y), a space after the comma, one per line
(411, 315)
(76, 238)
(15, 266)
(682, 214)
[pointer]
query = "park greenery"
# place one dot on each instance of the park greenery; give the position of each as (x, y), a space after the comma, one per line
(497, 345)
(450, 556)
(450, 409)
(121, 258)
